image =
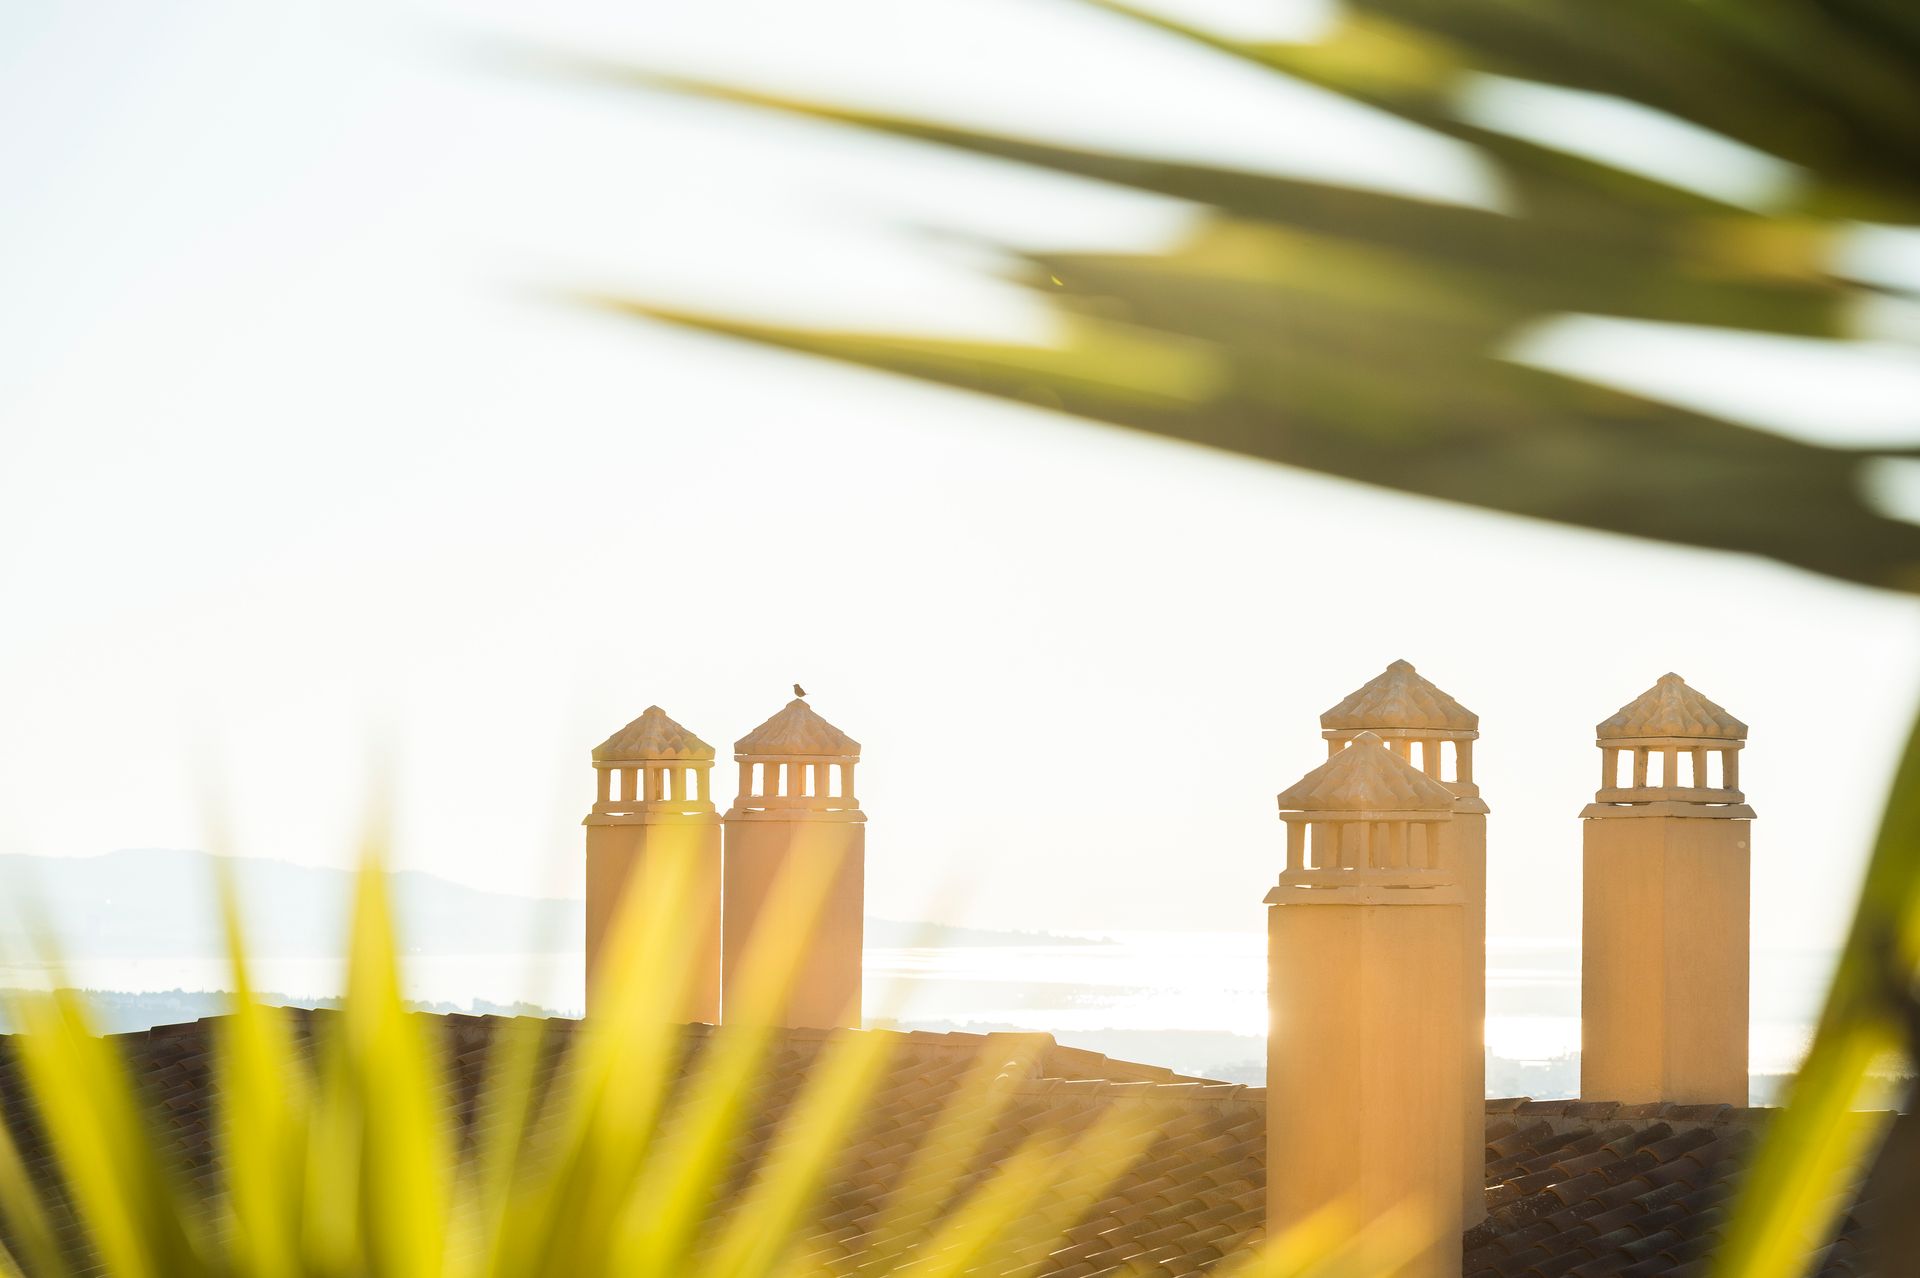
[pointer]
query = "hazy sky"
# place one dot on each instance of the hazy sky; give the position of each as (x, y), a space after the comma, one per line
(298, 452)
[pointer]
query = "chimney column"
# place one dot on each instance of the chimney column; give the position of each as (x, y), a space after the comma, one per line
(778, 830)
(643, 838)
(1665, 931)
(1402, 706)
(1364, 991)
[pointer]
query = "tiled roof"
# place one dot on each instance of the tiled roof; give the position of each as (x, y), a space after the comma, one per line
(1400, 697)
(1590, 1189)
(1671, 709)
(1574, 1189)
(797, 730)
(652, 736)
(1366, 777)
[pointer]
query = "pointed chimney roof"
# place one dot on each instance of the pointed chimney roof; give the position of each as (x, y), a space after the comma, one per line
(1366, 777)
(1671, 709)
(1399, 697)
(797, 730)
(652, 736)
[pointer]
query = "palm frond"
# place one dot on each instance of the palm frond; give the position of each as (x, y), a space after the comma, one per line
(1369, 335)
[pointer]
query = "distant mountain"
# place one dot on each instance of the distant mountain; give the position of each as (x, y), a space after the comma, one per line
(124, 1012)
(160, 903)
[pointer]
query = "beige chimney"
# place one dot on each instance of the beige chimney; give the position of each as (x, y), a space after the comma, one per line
(654, 818)
(1431, 730)
(1663, 993)
(797, 805)
(1364, 989)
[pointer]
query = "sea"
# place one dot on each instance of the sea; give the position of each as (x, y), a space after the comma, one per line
(1194, 1001)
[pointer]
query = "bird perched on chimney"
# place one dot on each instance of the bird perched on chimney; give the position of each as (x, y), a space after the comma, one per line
(799, 691)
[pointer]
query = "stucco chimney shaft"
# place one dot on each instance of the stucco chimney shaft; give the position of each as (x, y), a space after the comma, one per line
(1364, 1067)
(1664, 945)
(1428, 728)
(797, 809)
(653, 828)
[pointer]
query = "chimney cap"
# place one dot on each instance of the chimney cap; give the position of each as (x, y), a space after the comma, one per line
(651, 737)
(797, 731)
(1366, 777)
(1400, 697)
(1671, 709)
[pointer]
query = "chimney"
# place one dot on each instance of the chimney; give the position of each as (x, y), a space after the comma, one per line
(1363, 977)
(1435, 733)
(1663, 984)
(797, 809)
(654, 819)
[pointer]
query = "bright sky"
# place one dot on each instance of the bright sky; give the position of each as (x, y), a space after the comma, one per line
(299, 455)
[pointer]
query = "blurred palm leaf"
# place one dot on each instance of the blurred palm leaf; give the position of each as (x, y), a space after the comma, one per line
(616, 1148)
(1369, 335)
(1365, 334)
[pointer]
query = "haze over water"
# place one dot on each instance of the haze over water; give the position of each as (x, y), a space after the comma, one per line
(1177, 984)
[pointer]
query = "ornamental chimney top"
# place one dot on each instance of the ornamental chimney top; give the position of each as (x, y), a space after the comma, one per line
(1422, 724)
(1400, 699)
(652, 772)
(1671, 709)
(796, 766)
(650, 737)
(796, 732)
(1362, 829)
(1670, 752)
(1366, 777)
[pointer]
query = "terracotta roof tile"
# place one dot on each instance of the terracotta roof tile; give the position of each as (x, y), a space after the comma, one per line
(1697, 1113)
(1575, 1189)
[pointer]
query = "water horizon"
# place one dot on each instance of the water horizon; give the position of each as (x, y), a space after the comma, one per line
(1130, 982)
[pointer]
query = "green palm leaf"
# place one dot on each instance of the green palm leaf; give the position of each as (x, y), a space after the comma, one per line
(1370, 335)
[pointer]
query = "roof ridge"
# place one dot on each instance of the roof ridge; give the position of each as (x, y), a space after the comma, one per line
(1100, 1091)
(1682, 1114)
